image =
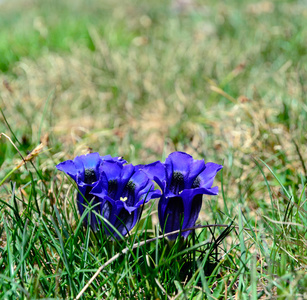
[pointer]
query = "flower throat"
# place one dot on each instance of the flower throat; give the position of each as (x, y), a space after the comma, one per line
(89, 176)
(177, 183)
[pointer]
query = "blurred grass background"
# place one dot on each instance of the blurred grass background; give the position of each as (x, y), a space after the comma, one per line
(221, 80)
(218, 80)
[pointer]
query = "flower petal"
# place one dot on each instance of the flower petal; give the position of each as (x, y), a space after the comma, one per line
(163, 185)
(106, 210)
(81, 166)
(138, 184)
(206, 177)
(145, 195)
(126, 174)
(197, 166)
(130, 209)
(100, 189)
(178, 166)
(112, 170)
(69, 168)
(89, 161)
(117, 159)
(125, 222)
(85, 200)
(141, 180)
(81, 203)
(155, 169)
(199, 191)
(192, 206)
(171, 215)
(121, 219)
(179, 162)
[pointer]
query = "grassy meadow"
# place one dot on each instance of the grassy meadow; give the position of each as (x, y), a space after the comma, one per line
(225, 81)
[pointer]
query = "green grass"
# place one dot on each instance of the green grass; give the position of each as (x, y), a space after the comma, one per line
(225, 82)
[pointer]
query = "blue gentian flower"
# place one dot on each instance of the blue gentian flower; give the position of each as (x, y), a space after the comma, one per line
(122, 190)
(183, 181)
(84, 170)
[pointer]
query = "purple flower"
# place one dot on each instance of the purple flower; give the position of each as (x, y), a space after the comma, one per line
(84, 170)
(183, 181)
(122, 191)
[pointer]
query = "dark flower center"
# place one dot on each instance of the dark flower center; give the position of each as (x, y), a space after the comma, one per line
(130, 186)
(112, 188)
(128, 193)
(196, 183)
(177, 183)
(89, 176)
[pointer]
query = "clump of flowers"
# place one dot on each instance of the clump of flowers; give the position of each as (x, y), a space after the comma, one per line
(183, 182)
(117, 191)
(84, 170)
(122, 191)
